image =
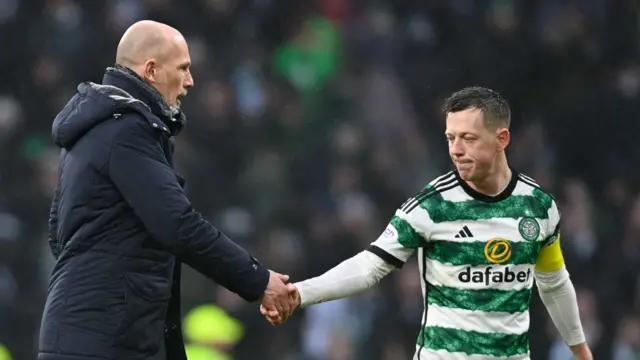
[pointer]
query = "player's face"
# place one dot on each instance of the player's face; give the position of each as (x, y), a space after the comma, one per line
(173, 77)
(472, 146)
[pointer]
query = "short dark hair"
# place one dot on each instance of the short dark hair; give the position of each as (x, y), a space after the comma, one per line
(493, 106)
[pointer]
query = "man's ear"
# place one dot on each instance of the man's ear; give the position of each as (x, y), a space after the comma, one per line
(504, 137)
(149, 71)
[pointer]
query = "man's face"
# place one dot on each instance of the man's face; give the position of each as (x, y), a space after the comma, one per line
(472, 146)
(173, 75)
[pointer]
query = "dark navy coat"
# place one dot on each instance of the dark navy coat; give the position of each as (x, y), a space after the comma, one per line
(120, 227)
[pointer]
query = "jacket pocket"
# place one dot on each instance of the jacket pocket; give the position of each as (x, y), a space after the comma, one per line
(142, 324)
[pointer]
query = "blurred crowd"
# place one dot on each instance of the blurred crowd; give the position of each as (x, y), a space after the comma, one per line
(311, 121)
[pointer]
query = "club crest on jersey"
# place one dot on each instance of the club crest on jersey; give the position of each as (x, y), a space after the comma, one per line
(529, 229)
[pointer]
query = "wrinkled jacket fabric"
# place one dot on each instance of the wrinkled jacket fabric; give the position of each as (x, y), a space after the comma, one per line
(120, 226)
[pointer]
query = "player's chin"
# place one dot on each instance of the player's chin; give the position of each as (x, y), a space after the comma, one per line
(466, 172)
(466, 176)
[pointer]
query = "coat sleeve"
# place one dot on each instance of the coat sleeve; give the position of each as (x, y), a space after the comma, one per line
(138, 168)
(52, 226)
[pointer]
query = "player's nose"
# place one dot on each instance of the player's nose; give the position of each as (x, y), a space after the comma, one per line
(455, 149)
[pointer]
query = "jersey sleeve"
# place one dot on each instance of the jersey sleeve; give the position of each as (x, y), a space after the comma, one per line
(553, 225)
(550, 258)
(398, 241)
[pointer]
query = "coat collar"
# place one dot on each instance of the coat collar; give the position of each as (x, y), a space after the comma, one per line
(127, 80)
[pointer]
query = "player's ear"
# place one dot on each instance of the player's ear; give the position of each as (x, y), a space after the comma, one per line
(150, 71)
(503, 137)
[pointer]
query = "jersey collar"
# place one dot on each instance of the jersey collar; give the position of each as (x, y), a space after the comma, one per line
(484, 197)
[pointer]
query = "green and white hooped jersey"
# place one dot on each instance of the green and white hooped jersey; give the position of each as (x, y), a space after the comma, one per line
(476, 257)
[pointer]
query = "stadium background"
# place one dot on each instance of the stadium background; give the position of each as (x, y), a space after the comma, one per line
(311, 121)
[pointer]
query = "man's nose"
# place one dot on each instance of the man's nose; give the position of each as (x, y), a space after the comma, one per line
(188, 83)
(455, 148)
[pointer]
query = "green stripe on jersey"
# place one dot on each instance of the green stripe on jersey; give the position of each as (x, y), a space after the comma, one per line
(487, 300)
(516, 206)
(473, 342)
(407, 235)
(473, 253)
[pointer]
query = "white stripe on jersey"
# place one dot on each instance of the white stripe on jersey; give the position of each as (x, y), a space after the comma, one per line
(427, 354)
(419, 220)
(483, 230)
(522, 188)
(480, 321)
(455, 195)
(442, 179)
(527, 178)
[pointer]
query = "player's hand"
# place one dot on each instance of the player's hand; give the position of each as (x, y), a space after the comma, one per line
(581, 352)
(276, 298)
(274, 317)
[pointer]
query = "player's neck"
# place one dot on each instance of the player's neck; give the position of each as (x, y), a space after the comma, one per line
(496, 181)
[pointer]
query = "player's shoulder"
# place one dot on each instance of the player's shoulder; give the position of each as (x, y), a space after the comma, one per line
(530, 186)
(430, 192)
(445, 180)
(443, 183)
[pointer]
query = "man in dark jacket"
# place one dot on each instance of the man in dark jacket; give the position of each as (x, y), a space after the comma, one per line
(120, 224)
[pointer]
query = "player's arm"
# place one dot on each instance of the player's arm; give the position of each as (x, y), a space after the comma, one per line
(557, 291)
(390, 251)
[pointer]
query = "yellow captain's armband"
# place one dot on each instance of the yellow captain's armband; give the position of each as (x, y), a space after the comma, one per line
(550, 258)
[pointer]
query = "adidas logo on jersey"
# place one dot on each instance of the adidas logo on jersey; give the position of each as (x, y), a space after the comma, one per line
(464, 233)
(489, 276)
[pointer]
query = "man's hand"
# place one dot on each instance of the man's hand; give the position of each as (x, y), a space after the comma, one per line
(276, 299)
(277, 318)
(581, 352)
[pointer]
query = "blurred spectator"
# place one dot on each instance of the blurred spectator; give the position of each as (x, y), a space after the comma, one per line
(627, 345)
(4, 353)
(210, 333)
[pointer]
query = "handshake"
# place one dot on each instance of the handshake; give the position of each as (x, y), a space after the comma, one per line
(279, 300)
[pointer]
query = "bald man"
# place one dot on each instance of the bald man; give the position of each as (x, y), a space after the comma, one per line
(120, 224)
(159, 54)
